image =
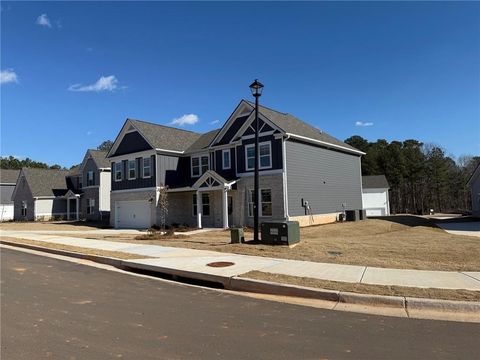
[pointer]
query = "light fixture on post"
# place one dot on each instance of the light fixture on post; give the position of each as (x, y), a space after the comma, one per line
(256, 87)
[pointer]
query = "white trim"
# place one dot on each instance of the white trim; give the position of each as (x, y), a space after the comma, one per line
(245, 137)
(170, 151)
(124, 130)
(143, 167)
(182, 189)
(132, 190)
(115, 171)
(285, 180)
(260, 213)
(199, 157)
(224, 151)
(47, 197)
(8, 183)
(91, 187)
(299, 137)
(235, 114)
(134, 168)
(134, 155)
(265, 172)
(247, 146)
(104, 169)
(92, 179)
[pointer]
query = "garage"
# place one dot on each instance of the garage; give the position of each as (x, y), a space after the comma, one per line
(375, 195)
(133, 214)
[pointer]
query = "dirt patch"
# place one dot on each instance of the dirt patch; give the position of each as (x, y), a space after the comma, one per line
(429, 293)
(160, 236)
(78, 249)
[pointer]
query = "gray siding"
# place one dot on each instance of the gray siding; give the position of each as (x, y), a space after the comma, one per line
(325, 178)
(6, 192)
(90, 166)
(167, 168)
(23, 194)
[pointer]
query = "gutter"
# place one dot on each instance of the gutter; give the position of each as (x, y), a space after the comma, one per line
(285, 182)
(324, 143)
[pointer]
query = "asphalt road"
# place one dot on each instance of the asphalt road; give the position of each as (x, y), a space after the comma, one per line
(61, 310)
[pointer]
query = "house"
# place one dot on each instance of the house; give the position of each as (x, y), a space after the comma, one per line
(39, 194)
(90, 182)
(474, 183)
(83, 192)
(375, 195)
(305, 174)
(8, 179)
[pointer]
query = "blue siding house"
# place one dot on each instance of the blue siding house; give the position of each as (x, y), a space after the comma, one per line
(305, 174)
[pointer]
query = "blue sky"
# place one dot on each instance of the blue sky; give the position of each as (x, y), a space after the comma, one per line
(73, 72)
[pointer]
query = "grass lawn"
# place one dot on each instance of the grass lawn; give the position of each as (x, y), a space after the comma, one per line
(52, 225)
(404, 242)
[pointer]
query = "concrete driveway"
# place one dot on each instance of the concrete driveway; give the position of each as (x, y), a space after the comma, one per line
(462, 228)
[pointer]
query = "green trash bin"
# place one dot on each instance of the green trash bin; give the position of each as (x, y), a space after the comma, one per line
(236, 236)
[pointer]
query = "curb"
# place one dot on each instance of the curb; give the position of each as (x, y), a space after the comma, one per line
(236, 283)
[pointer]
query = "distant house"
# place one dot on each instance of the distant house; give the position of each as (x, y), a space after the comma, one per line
(8, 179)
(474, 183)
(375, 195)
(305, 174)
(40, 194)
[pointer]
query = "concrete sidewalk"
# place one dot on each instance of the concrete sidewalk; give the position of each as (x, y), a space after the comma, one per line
(462, 228)
(182, 261)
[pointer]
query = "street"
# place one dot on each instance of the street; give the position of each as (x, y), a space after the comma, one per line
(62, 310)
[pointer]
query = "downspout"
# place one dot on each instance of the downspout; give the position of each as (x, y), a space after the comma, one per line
(285, 190)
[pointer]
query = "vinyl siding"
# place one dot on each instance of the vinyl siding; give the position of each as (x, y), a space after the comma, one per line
(325, 178)
(131, 143)
(6, 192)
(276, 153)
(166, 169)
(136, 183)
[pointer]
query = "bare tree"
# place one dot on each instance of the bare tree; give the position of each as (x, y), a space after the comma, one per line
(163, 204)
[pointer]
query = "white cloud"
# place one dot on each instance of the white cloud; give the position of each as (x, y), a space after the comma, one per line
(8, 76)
(43, 20)
(105, 83)
(361, 123)
(214, 122)
(188, 119)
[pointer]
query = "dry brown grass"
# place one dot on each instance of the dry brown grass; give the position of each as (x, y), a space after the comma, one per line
(51, 225)
(78, 249)
(429, 293)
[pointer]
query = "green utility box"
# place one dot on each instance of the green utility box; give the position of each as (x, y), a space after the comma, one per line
(280, 232)
(236, 236)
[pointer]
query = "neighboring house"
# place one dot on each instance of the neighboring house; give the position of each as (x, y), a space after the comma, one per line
(305, 174)
(375, 195)
(90, 182)
(40, 194)
(8, 179)
(474, 183)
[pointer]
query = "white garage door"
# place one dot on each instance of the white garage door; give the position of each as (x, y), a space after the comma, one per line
(376, 212)
(6, 212)
(133, 214)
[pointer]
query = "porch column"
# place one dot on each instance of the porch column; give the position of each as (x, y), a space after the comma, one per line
(68, 208)
(225, 208)
(199, 210)
(78, 207)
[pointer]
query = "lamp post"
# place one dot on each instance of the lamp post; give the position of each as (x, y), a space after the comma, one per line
(256, 87)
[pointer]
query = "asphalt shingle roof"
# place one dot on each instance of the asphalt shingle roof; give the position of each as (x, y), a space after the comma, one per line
(166, 137)
(46, 182)
(203, 141)
(99, 158)
(293, 125)
(8, 176)
(375, 182)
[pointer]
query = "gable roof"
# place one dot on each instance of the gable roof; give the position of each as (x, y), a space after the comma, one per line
(165, 137)
(8, 176)
(203, 141)
(375, 182)
(46, 182)
(292, 125)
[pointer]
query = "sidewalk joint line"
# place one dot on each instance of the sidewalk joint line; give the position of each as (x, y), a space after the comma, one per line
(364, 270)
(471, 277)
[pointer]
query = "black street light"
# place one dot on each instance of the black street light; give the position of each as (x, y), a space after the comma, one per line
(256, 87)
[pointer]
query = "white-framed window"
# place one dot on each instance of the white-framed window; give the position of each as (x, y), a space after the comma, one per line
(264, 156)
(250, 157)
(24, 208)
(90, 206)
(205, 204)
(132, 169)
(200, 165)
(90, 180)
(265, 202)
(118, 171)
(147, 167)
(226, 159)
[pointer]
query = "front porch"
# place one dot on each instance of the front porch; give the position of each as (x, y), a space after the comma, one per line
(73, 201)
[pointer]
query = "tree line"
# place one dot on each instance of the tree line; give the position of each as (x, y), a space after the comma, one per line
(421, 176)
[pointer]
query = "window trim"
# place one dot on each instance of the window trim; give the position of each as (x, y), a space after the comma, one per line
(134, 168)
(194, 204)
(90, 206)
(199, 157)
(260, 167)
(149, 167)
(260, 212)
(225, 151)
(88, 178)
(118, 171)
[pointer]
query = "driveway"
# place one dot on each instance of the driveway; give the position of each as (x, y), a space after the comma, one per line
(462, 228)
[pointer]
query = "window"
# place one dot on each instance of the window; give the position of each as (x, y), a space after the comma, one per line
(24, 208)
(132, 169)
(226, 159)
(80, 180)
(205, 204)
(265, 150)
(250, 156)
(265, 202)
(147, 167)
(199, 165)
(118, 171)
(265, 156)
(90, 206)
(90, 181)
